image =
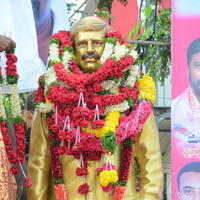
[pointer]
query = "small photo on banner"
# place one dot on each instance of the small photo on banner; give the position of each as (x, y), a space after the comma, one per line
(185, 117)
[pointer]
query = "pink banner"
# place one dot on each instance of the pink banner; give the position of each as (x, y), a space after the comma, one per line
(185, 100)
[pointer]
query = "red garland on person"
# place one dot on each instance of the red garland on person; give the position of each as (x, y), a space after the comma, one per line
(16, 158)
(11, 154)
(39, 96)
(124, 170)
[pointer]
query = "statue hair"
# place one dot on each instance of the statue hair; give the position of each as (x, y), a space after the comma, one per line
(90, 23)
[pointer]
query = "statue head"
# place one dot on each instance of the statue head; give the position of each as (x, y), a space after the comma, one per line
(88, 35)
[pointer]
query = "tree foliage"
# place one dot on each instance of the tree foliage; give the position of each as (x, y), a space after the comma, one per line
(155, 26)
(108, 4)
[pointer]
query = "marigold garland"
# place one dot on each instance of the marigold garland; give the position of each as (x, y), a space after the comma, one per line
(88, 114)
(147, 89)
(111, 122)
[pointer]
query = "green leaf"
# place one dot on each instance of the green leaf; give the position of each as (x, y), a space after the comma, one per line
(147, 11)
(112, 78)
(130, 102)
(53, 143)
(11, 50)
(111, 40)
(135, 30)
(58, 181)
(124, 78)
(3, 120)
(128, 142)
(123, 183)
(1, 80)
(103, 92)
(54, 41)
(69, 49)
(52, 62)
(11, 79)
(109, 142)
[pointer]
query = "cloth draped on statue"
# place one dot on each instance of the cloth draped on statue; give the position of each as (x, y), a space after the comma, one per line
(146, 152)
(8, 186)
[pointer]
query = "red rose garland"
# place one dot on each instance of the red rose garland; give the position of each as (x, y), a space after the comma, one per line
(14, 157)
(83, 189)
(39, 96)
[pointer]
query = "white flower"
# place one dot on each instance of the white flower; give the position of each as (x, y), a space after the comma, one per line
(134, 72)
(134, 54)
(54, 52)
(2, 108)
(111, 86)
(50, 76)
(108, 159)
(114, 89)
(45, 108)
(107, 52)
(14, 99)
(120, 51)
(107, 85)
(122, 107)
(67, 56)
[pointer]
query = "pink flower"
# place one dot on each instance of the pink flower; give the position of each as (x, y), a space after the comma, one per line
(80, 171)
(108, 188)
(99, 170)
(28, 182)
(11, 57)
(119, 192)
(98, 124)
(83, 189)
(14, 170)
(97, 87)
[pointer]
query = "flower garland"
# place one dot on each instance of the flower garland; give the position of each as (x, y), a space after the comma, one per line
(14, 157)
(88, 114)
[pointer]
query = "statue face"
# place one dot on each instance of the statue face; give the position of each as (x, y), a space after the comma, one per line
(89, 46)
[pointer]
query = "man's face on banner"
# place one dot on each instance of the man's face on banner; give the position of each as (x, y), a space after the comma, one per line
(189, 186)
(194, 73)
(40, 10)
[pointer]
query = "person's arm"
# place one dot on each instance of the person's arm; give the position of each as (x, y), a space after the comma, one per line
(39, 160)
(148, 157)
(6, 43)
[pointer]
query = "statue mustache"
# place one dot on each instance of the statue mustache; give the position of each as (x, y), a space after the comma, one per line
(90, 55)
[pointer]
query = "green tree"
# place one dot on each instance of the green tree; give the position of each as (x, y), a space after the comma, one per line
(155, 27)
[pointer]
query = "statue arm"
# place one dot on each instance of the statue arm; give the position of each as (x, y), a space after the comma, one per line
(39, 160)
(148, 157)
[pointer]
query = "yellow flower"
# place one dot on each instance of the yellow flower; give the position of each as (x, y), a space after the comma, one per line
(111, 122)
(107, 177)
(147, 88)
(104, 178)
(113, 176)
(47, 101)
